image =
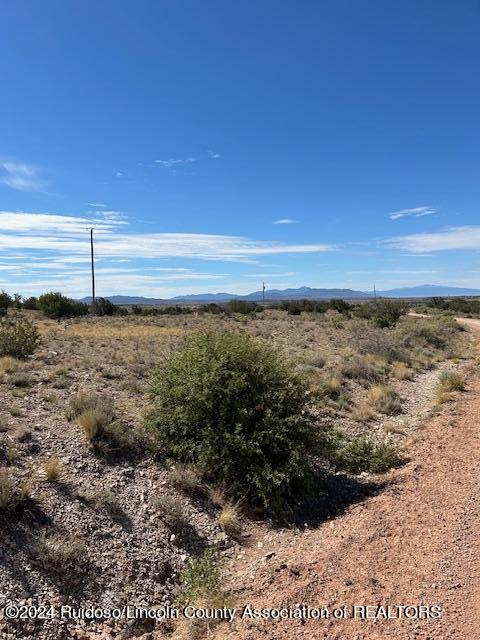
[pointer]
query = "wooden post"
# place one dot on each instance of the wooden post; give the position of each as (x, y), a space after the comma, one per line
(93, 267)
(263, 293)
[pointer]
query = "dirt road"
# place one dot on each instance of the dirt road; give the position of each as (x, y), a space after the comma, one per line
(415, 542)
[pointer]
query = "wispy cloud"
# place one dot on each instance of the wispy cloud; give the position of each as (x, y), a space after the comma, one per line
(99, 205)
(450, 238)
(21, 176)
(174, 162)
(285, 221)
(416, 212)
(66, 234)
(213, 154)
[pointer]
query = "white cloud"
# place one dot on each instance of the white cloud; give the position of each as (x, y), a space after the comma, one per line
(21, 176)
(212, 154)
(285, 221)
(417, 212)
(173, 162)
(451, 238)
(63, 234)
(96, 205)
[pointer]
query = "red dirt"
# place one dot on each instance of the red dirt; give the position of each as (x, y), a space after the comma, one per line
(416, 542)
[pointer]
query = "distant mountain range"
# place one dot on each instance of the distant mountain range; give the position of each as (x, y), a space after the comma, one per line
(302, 293)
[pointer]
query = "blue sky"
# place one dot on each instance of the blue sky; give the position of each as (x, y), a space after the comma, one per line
(216, 144)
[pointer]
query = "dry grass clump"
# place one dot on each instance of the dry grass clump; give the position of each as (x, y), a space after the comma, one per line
(400, 371)
(450, 381)
(12, 491)
(185, 478)
(359, 368)
(384, 399)
(103, 499)
(9, 364)
(229, 519)
(325, 386)
(92, 411)
(171, 510)
(362, 413)
(59, 553)
(20, 379)
(53, 469)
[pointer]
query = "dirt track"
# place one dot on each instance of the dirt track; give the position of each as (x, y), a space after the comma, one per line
(415, 542)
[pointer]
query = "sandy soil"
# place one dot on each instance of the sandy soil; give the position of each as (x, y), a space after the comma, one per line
(415, 542)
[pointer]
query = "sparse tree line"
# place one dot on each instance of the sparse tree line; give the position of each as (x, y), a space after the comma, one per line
(382, 312)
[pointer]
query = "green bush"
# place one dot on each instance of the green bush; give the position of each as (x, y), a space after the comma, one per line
(383, 312)
(230, 405)
(6, 301)
(201, 579)
(18, 338)
(360, 454)
(56, 305)
(30, 303)
(243, 306)
(103, 307)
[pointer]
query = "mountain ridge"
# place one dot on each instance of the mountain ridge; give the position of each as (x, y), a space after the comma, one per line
(299, 293)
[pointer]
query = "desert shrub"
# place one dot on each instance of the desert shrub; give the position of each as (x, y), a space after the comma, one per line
(59, 553)
(242, 306)
(6, 301)
(20, 379)
(232, 406)
(30, 303)
(82, 401)
(103, 307)
(358, 368)
(92, 411)
(229, 519)
(18, 337)
(361, 454)
(202, 578)
(451, 381)
(13, 492)
(370, 340)
(171, 511)
(327, 385)
(400, 371)
(362, 413)
(56, 305)
(438, 332)
(383, 312)
(184, 478)
(212, 307)
(384, 399)
(456, 305)
(9, 364)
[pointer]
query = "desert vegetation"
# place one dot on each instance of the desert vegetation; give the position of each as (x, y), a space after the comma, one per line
(177, 435)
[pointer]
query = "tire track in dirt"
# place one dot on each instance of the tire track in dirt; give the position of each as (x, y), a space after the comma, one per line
(415, 542)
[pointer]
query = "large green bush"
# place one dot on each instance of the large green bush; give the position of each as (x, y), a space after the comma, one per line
(18, 337)
(56, 305)
(232, 406)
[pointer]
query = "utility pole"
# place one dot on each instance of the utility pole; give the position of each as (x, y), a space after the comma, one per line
(263, 293)
(374, 293)
(93, 267)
